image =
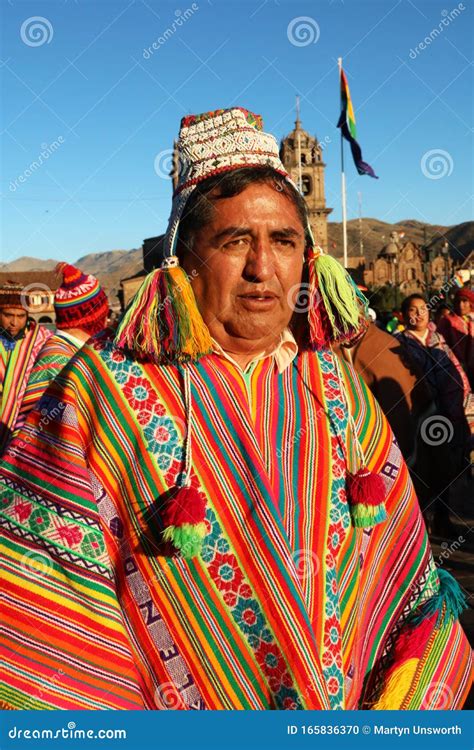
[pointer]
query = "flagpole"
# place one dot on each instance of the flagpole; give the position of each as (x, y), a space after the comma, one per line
(361, 243)
(343, 187)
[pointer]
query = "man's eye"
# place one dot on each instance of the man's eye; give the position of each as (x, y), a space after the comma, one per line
(285, 243)
(237, 243)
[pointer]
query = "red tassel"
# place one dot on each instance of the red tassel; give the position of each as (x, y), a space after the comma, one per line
(365, 487)
(186, 505)
(411, 642)
(184, 521)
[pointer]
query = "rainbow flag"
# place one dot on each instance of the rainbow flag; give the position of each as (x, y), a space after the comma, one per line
(347, 124)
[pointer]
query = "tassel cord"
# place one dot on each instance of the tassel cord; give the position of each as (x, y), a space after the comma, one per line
(350, 418)
(188, 446)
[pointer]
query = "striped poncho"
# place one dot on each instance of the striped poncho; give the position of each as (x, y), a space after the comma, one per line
(288, 606)
(54, 355)
(16, 365)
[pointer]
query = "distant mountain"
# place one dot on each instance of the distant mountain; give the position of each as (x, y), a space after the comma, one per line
(460, 239)
(109, 267)
(25, 263)
(111, 262)
(376, 234)
(112, 266)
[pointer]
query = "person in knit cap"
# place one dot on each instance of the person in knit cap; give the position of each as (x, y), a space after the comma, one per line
(218, 503)
(81, 309)
(458, 330)
(21, 340)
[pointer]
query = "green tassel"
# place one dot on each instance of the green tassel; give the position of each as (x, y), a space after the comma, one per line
(187, 538)
(449, 602)
(343, 302)
(364, 516)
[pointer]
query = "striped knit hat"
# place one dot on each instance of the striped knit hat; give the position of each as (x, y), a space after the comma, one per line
(80, 301)
(13, 295)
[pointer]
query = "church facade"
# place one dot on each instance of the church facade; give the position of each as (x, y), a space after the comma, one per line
(403, 264)
(302, 157)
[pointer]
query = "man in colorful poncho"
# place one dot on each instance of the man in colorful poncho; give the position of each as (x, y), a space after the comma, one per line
(21, 341)
(81, 309)
(215, 515)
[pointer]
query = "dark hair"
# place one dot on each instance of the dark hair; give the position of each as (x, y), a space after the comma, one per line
(408, 300)
(199, 209)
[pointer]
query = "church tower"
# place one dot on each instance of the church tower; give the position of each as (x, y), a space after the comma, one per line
(302, 157)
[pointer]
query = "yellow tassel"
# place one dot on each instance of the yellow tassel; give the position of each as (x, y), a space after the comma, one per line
(163, 322)
(397, 686)
(194, 336)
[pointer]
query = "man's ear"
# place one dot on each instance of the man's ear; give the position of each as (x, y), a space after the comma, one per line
(181, 252)
(187, 259)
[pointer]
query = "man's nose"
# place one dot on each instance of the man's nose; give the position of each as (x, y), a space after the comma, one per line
(259, 264)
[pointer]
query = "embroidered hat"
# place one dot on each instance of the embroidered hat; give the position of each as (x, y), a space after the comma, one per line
(213, 143)
(80, 301)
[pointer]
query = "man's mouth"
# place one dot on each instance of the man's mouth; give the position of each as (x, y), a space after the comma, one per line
(258, 301)
(258, 295)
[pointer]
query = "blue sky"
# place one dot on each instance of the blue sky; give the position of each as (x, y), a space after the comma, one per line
(79, 86)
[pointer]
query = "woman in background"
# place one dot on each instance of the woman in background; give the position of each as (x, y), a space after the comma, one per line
(444, 435)
(458, 330)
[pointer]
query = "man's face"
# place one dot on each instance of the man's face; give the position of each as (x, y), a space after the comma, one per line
(418, 315)
(13, 319)
(247, 265)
